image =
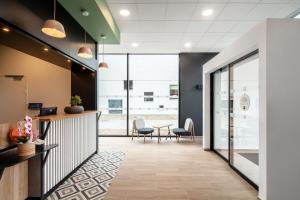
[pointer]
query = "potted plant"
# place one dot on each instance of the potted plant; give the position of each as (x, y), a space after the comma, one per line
(75, 107)
(26, 137)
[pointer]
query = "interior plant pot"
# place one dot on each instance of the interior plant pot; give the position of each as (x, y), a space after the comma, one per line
(74, 109)
(26, 149)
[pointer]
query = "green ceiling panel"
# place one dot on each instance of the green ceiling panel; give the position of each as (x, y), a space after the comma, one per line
(100, 20)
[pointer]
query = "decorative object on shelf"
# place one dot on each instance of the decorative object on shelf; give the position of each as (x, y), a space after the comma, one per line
(75, 107)
(103, 64)
(54, 28)
(25, 138)
(39, 144)
(245, 102)
(85, 51)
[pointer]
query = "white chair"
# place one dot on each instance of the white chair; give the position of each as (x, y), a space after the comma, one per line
(139, 128)
(188, 130)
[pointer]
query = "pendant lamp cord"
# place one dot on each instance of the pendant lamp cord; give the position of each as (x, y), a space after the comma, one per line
(85, 37)
(103, 49)
(54, 9)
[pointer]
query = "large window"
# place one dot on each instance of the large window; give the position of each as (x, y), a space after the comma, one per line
(112, 98)
(155, 80)
(153, 92)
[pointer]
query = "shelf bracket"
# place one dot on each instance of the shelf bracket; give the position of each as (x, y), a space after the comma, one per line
(44, 132)
(45, 158)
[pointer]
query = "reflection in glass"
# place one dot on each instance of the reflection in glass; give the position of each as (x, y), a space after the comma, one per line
(220, 112)
(244, 117)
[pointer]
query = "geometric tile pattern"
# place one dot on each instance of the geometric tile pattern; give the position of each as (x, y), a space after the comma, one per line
(92, 180)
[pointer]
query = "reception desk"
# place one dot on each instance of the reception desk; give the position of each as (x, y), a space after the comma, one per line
(76, 136)
(70, 140)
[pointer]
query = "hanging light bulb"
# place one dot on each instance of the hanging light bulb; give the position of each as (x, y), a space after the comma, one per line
(85, 51)
(54, 28)
(103, 65)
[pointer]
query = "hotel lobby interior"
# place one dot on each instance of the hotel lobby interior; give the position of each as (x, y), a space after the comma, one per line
(149, 99)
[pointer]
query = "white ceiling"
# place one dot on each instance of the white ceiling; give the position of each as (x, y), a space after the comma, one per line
(163, 26)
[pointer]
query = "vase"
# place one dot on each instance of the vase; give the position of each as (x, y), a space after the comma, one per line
(26, 149)
(74, 109)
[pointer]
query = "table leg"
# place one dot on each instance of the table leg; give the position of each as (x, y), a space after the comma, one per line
(158, 130)
(169, 133)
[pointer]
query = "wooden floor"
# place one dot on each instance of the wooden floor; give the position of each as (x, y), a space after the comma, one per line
(171, 170)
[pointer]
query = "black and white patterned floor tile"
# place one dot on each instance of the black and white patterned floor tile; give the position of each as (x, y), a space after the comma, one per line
(92, 180)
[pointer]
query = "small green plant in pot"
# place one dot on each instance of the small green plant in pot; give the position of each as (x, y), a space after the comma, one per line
(76, 106)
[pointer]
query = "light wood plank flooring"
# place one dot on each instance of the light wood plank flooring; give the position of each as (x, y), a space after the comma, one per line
(171, 170)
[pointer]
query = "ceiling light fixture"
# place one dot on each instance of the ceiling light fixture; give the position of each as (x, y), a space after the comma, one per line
(54, 28)
(84, 13)
(69, 61)
(135, 44)
(103, 64)
(124, 12)
(207, 12)
(187, 45)
(5, 29)
(46, 49)
(85, 51)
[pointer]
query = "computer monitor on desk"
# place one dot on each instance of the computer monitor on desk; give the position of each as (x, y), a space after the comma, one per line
(48, 111)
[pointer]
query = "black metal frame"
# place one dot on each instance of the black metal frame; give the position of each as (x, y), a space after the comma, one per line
(127, 92)
(229, 160)
(212, 114)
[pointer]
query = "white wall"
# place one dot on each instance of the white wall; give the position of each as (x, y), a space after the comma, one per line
(283, 98)
(278, 41)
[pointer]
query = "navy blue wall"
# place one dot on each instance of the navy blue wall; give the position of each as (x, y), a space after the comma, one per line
(190, 87)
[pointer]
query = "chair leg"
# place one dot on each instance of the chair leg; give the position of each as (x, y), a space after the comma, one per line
(132, 134)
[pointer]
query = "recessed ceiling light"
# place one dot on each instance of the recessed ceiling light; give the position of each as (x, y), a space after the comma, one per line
(135, 44)
(46, 49)
(124, 12)
(207, 12)
(187, 45)
(5, 29)
(69, 61)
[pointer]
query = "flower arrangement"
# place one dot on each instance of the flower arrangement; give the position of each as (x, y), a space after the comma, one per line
(25, 131)
(25, 137)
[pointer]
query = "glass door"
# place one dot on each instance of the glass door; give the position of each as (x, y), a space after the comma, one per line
(244, 117)
(220, 112)
(112, 96)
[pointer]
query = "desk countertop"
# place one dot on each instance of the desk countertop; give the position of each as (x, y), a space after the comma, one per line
(65, 116)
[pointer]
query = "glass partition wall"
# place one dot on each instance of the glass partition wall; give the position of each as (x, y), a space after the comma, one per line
(138, 86)
(235, 120)
(220, 112)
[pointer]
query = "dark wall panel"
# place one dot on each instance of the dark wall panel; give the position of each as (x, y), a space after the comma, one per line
(84, 84)
(29, 15)
(191, 93)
